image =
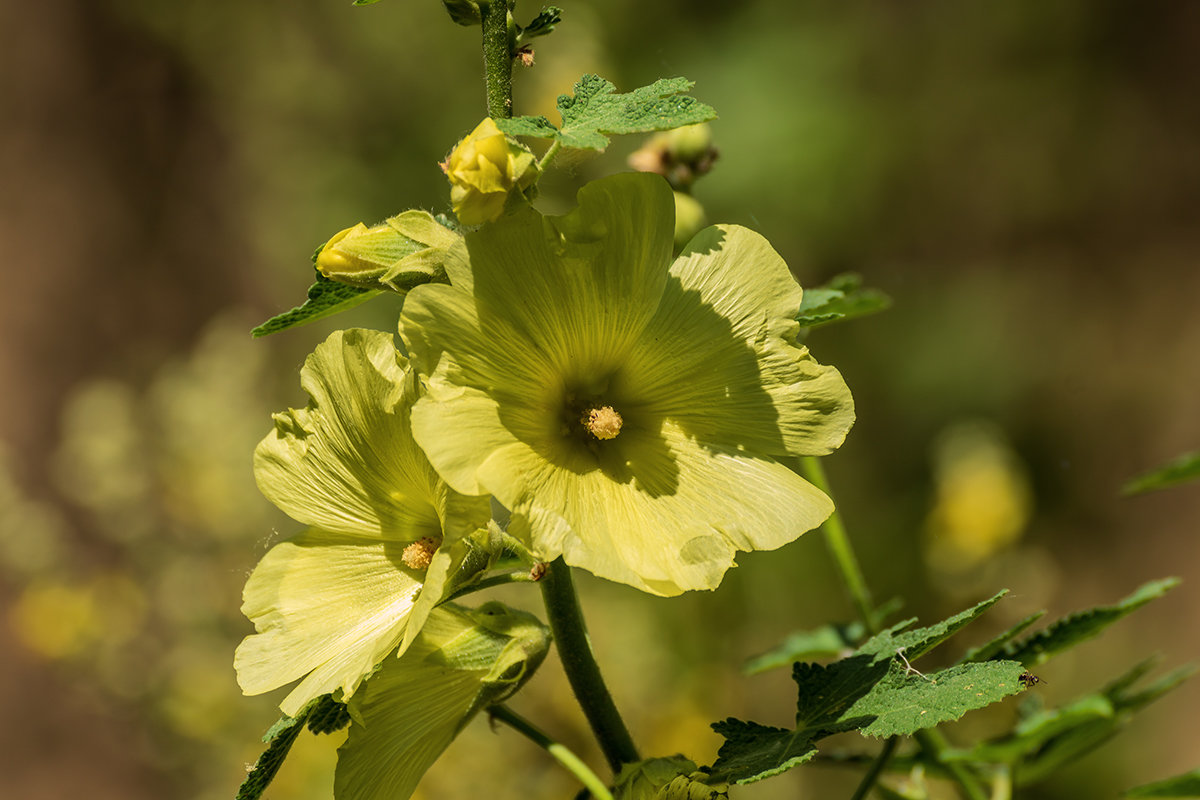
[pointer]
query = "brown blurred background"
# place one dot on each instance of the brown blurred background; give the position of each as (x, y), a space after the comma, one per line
(1023, 179)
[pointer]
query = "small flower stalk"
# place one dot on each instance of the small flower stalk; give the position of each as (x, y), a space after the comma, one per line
(486, 170)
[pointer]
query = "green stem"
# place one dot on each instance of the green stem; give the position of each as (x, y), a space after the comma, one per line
(497, 58)
(877, 767)
(493, 580)
(555, 146)
(839, 547)
(934, 744)
(1002, 784)
(583, 673)
(561, 753)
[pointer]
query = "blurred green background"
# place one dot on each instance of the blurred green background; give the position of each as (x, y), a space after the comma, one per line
(1023, 178)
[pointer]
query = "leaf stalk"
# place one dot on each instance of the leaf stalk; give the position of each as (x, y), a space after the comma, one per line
(838, 542)
(561, 753)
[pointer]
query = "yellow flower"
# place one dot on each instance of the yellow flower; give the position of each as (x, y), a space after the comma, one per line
(484, 169)
(636, 415)
(330, 603)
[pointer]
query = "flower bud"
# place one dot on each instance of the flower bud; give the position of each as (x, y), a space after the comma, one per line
(406, 250)
(680, 155)
(483, 170)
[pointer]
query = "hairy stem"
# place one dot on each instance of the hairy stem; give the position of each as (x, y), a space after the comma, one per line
(839, 547)
(497, 58)
(575, 651)
(559, 752)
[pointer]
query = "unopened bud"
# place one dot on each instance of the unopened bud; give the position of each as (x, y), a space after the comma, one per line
(400, 253)
(484, 169)
(680, 155)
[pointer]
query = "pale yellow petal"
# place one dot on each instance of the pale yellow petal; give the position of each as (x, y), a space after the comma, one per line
(326, 606)
(671, 522)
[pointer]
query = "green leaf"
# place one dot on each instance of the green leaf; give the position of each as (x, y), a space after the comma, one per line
(876, 697)
(916, 643)
(1075, 628)
(281, 737)
(1181, 470)
(824, 642)
(364, 2)
(328, 715)
(874, 691)
(325, 298)
(1185, 785)
(594, 112)
(904, 702)
(1037, 729)
(322, 715)
(843, 298)
(1047, 739)
(542, 24)
(993, 647)
(752, 751)
(537, 127)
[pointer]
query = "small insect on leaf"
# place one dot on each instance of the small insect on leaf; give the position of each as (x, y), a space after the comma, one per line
(1028, 679)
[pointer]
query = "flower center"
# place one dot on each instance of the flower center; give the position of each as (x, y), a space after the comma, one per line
(419, 554)
(603, 422)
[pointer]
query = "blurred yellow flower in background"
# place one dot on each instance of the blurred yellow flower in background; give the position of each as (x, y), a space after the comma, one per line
(982, 498)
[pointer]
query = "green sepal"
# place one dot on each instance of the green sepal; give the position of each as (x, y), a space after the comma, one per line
(1185, 785)
(594, 112)
(843, 298)
(1069, 631)
(325, 298)
(1180, 470)
(399, 254)
(643, 780)
(321, 715)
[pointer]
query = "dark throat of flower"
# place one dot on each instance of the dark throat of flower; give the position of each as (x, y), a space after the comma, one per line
(590, 421)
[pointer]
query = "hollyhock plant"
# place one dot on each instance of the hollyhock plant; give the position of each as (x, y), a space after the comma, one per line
(621, 409)
(634, 414)
(386, 531)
